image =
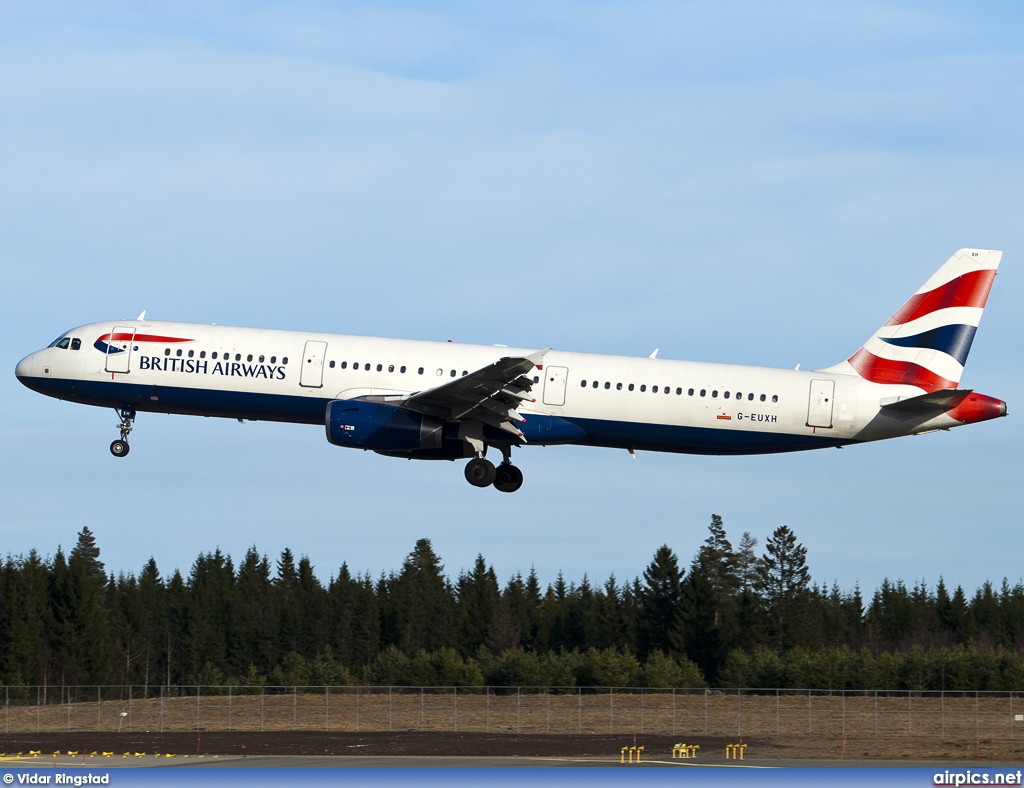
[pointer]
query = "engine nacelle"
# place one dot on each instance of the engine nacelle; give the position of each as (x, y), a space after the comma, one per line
(373, 425)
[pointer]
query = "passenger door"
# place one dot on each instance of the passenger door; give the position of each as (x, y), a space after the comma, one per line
(119, 349)
(819, 408)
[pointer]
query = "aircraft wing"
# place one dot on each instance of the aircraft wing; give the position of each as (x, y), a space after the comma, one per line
(942, 400)
(491, 395)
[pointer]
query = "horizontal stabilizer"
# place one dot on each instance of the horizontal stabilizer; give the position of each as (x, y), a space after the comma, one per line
(939, 401)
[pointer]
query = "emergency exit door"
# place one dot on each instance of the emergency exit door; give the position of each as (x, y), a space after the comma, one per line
(554, 385)
(819, 409)
(312, 375)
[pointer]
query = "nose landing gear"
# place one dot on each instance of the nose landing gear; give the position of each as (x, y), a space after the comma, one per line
(120, 448)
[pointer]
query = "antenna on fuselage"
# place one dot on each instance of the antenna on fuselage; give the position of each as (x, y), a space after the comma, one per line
(655, 353)
(142, 316)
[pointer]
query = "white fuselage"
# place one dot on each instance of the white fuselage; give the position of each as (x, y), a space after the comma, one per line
(614, 401)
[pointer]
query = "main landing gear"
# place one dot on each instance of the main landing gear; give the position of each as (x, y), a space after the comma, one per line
(120, 448)
(505, 478)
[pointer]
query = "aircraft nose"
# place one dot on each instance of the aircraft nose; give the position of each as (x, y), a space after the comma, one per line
(25, 367)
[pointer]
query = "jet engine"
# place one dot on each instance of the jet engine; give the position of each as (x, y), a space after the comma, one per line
(379, 427)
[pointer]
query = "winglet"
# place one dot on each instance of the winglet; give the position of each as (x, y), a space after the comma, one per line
(142, 316)
(655, 353)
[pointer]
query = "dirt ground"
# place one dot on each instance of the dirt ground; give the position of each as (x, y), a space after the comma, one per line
(499, 745)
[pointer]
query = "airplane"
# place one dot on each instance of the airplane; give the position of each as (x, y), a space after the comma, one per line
(448, 401)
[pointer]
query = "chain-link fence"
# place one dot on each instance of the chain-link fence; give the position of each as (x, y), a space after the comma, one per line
(946, 716)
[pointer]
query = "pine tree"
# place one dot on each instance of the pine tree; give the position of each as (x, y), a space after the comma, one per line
(783, 581)
(658, 624)
(425, 604)
(478, 605)
(88, 648)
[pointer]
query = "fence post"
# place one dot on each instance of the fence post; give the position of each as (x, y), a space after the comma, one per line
(130, 693)
(455, 706)
(519, 691)
(739, 710)
(389, 709)
(327, 709)
(809, 722)
(642, 708)
(263, 700)
(611, 710)
(199, 718)
(295, 706)
(38, 709)
(705, 712)
(942, 707)
(7, 709)
(487, 695)
(357, 709)
(1011, 715)
(876, 713)
(422, 707)
(673, 711)
(99, 708)
(161, 708)
(68, 701)
(776, 712)
(579, 710)
(229, 707)
(547, 709)
(977, 717)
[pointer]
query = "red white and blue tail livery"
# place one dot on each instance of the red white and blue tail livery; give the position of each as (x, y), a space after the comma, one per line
(449, 401)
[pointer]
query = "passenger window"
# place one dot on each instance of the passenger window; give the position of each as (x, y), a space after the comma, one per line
(775, 397)
(178, 352)
(678, 391)
(453, 373)
(690, 392)
(391, 367)
(667, 390)
(202, 354)
(273, 359)
(703, 392)
(714, 394)
(607, 385)
(630, 386)
(380, 367)
(238, 356)
(725, 394)
(191, 353)
(654, 389)
(249, 357)
(366, 367)
(618, 387)
(595, 384)
(402, 369)
(420, 371)
(331, 365)
(167, 352)
(536, 379)
(643, 387)
(583, 384)
(762, 398)
(750, 396)
(344, 365)
(464, 373)
(76, 344)
(284, 360)
(261, 361)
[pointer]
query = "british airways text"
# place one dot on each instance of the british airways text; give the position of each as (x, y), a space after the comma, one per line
(202, 367)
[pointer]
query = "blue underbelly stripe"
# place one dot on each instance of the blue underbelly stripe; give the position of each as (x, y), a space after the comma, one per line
(311, 410)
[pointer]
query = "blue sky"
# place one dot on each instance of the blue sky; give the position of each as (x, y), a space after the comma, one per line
(740, 182)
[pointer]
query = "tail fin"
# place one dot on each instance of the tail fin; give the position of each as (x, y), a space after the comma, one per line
(925, 344)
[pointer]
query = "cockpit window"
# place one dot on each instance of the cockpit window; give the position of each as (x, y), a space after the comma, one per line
(63, 343)
(57, 341)
(76, 344)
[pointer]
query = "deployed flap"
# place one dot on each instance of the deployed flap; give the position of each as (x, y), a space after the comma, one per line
(490, 395)
(937, 400)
